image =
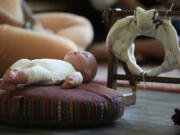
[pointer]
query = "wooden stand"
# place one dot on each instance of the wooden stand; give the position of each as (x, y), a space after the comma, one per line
(110, 16)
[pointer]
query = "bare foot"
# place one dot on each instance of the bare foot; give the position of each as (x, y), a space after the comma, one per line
(6, 86)
(15, 76)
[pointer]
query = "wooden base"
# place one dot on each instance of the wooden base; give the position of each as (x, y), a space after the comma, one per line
(130, 98)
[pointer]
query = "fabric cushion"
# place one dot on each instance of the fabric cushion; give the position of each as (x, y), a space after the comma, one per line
(88, 104)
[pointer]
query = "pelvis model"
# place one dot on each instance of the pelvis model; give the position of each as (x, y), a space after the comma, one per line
(120, 39)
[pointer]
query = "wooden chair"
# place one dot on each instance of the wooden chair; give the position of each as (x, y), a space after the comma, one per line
(109, 17)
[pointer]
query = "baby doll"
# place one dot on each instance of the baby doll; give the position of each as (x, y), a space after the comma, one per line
(77, 67)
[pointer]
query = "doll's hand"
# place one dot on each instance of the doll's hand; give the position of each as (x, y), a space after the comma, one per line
(72, 81)
(69, 83)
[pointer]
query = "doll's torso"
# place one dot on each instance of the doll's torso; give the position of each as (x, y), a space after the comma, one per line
(60, 67)
(54, 70)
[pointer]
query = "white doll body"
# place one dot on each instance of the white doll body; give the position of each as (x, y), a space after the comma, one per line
(46, 71)
(120, 39)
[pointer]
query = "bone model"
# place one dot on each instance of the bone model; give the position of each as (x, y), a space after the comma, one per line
(120, 39)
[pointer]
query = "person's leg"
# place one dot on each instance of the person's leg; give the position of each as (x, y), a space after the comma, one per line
(100, 51)
(73, 27)
(17, 43)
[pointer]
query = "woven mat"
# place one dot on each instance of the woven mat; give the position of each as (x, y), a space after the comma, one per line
(101, 78)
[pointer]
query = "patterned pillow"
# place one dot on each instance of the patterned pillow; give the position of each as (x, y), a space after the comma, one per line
(88, 104)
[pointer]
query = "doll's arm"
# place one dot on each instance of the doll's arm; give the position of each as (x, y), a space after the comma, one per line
(7, 18)
(72, 81)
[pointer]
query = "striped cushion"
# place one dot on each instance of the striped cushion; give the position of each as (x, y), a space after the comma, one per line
(89, 104)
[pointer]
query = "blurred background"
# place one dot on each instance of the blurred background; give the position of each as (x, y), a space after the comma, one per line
(80, 7)
(92, 9)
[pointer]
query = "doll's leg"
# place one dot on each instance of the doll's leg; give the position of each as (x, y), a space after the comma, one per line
(15, 76)
(16, 73)
(73, 27)
(6, 85)
(33, 74)
(17, 43)
(38, 74)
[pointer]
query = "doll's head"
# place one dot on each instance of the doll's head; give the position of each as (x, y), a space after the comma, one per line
(83, 62)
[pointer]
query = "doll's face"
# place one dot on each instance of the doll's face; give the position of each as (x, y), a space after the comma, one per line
(83, 62)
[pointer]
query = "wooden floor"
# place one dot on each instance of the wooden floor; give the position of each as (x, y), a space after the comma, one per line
(150, 116)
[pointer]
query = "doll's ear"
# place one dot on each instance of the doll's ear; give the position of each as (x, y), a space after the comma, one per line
(88, 72)
(87, 75)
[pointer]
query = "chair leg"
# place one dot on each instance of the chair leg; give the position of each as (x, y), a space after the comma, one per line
(112, 71)
(130, 98)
